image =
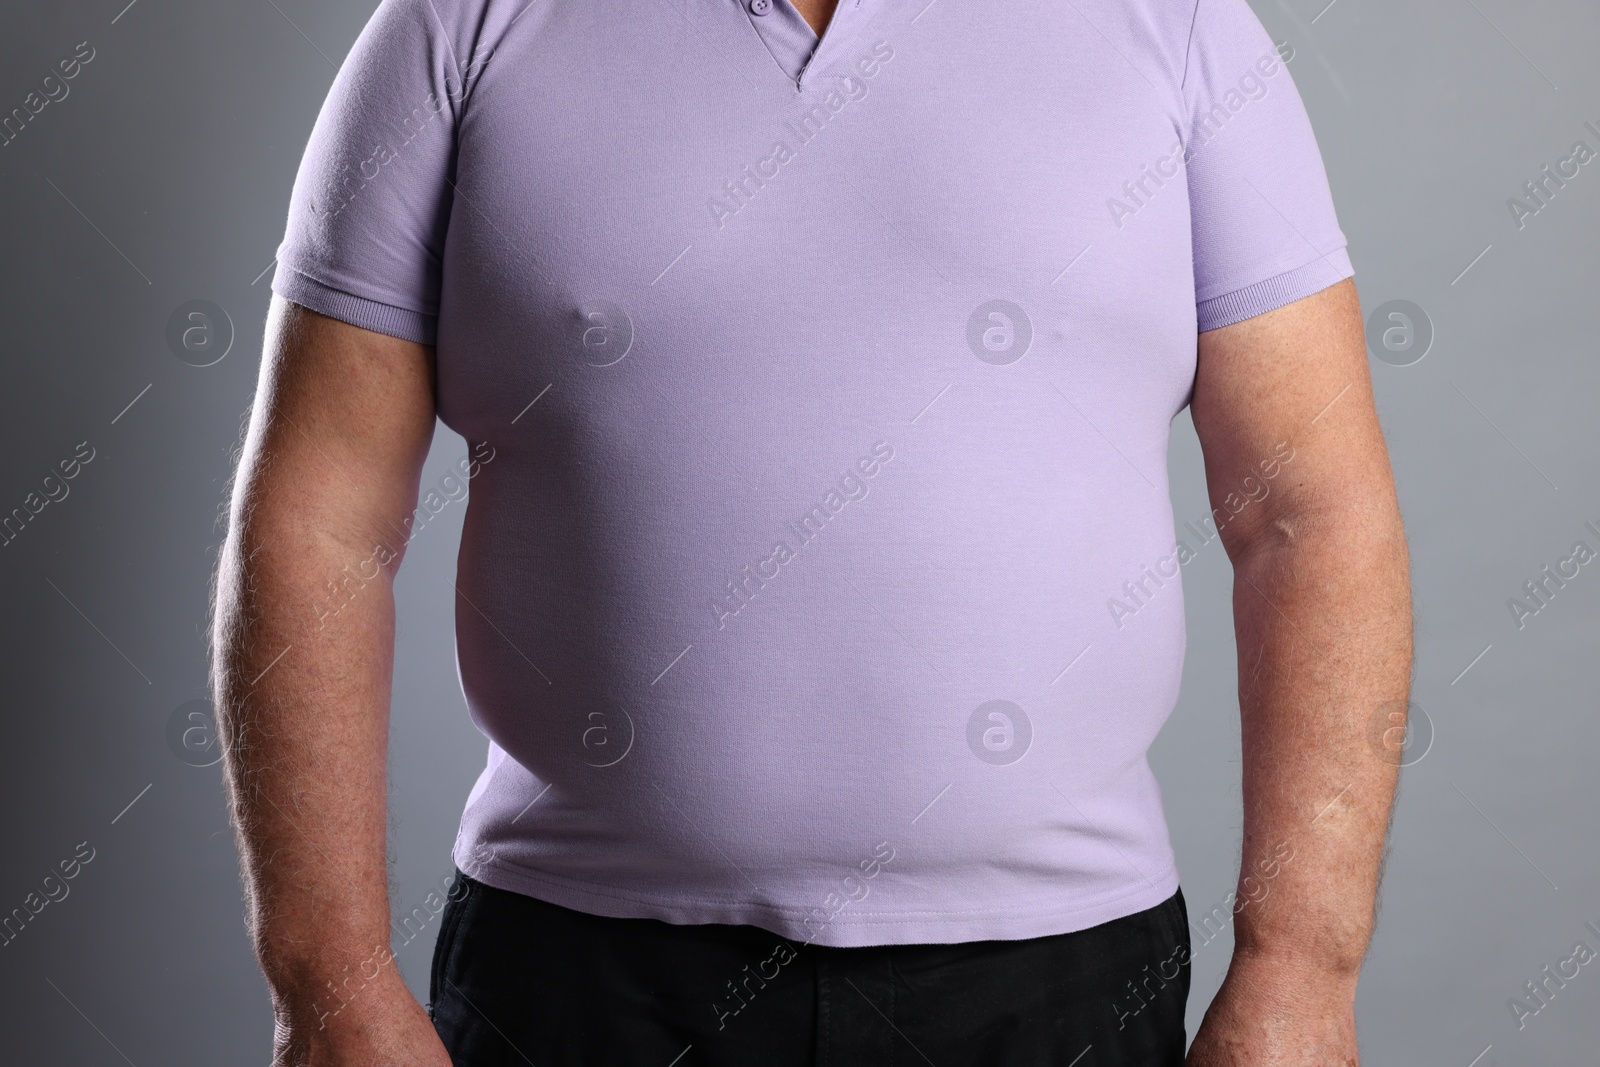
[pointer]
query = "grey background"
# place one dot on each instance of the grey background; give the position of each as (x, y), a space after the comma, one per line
(164, 177)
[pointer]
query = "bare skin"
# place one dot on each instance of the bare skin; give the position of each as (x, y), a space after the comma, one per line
(816, 12)
(1322, 616)
(342, 422)
(330, 469)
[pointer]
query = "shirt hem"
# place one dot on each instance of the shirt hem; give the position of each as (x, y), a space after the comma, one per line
(843, 931)
(359, 311)
(1275, 292)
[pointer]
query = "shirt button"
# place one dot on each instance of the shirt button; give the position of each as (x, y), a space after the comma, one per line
(760, 7)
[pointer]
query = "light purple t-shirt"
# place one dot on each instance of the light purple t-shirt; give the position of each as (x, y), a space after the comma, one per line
(819, 570)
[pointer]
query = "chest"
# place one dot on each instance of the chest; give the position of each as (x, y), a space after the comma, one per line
(663, 182)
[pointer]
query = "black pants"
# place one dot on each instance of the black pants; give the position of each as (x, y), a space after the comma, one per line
(519, 981)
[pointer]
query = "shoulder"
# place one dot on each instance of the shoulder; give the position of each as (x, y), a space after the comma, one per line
(1152, 35)
(466, 31)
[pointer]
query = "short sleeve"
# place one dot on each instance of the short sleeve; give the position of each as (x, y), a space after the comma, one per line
(372, 197)
(1263, 224)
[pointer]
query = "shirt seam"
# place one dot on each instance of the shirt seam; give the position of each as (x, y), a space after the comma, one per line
(1263, 296)
(312, 278)
(444, 35)
(887, 918)
(1322, 257)
(1188, 49)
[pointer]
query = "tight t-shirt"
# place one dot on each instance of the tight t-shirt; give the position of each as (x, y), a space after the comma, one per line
(818, 569)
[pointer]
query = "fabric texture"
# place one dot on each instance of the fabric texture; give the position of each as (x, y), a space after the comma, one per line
(821, 575)
(517, 980)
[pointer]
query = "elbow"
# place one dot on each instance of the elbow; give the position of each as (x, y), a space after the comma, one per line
(1355, 527)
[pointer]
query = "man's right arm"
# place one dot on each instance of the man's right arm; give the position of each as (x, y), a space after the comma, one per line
(303, 649)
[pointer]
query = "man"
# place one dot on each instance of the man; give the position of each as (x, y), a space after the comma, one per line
(818, 591)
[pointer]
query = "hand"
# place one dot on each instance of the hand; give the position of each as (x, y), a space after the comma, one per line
(381, 1025)
(1279, 1014)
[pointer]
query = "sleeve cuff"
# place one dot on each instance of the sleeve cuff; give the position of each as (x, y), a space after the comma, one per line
(1286, 288)
(356, 310)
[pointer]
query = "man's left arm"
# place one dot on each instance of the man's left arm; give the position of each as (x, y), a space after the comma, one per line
(1284, 411)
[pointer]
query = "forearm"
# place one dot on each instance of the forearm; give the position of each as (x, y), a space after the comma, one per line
(1323, 618)
(302, 679)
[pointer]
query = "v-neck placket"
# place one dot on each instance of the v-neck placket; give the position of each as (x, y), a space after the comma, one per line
(792, 41)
